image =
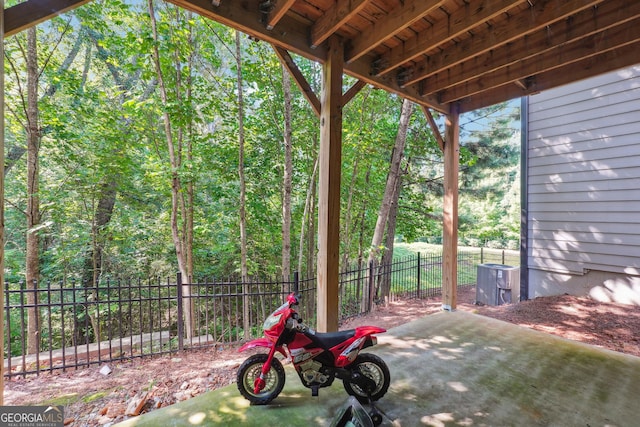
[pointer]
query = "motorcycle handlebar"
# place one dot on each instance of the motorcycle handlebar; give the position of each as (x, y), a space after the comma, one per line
(294, 298)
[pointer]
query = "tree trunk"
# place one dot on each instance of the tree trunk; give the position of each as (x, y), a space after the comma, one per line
(92, 269)
(176, 187)
(33, 201)
(16, 152)
(361, 295)
(101, 218)
(243, 220)
(287, 180)
(392, 177)
(346, 224)
(387, 257)
(306, 219)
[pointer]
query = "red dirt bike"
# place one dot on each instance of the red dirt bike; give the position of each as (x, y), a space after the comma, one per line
(318, 359)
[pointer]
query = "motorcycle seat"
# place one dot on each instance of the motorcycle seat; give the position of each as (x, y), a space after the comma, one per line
(330, 339)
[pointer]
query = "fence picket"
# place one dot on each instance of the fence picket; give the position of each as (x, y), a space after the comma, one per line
(218, 307)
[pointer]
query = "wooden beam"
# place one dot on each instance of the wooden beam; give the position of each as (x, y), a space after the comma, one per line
(292, 35)
(32, 12)
(559, 57)
(353, 91)
(612, 60)
(246, 17)
(542, 14)
(299, 78)
(278, 11)
(434, 127)
(336, 16)
(450, 210)
(581, 25)
(397, 20)
(361, 70)
(460, 21)
(330, 158)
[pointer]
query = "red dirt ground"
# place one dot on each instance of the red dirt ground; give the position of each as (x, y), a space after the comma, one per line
(142, 385)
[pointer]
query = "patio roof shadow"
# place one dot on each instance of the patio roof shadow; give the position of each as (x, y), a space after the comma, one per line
(451, 369)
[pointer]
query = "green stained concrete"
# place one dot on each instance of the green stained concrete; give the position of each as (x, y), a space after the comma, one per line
(452, 369)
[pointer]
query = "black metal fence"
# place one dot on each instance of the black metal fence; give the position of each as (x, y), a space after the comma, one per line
(79, 325)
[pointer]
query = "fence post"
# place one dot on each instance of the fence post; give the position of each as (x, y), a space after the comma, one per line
(7, 326)
(180, 319)
(481, 255)
(503, 257)
(36, 310)
(419, 291)
(296, 282)
(371, 286)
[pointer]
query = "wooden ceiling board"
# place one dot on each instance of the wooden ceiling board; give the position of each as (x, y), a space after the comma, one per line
(469, 52)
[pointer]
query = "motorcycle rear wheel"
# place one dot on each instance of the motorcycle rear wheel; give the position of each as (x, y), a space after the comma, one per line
(248, 373)
(372, 367)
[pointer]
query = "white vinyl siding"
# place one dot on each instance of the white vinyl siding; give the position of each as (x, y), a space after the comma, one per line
(584, 176)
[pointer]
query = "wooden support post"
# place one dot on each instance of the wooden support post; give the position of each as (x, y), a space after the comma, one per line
(450, 210)
(329, 187)
(2, 204)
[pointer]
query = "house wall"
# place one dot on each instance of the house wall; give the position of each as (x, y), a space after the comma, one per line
(584, 188)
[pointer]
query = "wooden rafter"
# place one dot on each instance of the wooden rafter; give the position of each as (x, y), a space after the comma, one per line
(32, 12)
(555, 58)
(292, 35)
(399, 19)
(244, 16)
(603, 63)
(353, 91)
(303, 84)
(334, 18)
(428, 51)
(542, 14)
(584, 24)
(281, 7)
(434, 127)
(460, 21)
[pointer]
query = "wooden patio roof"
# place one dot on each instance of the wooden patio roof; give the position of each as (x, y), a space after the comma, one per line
(473, 53)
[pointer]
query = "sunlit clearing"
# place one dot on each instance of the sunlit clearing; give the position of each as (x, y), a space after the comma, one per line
(437, 420)
(394, 342)
(457, 386)
(444, 356)
(440, 340)
(197, 418)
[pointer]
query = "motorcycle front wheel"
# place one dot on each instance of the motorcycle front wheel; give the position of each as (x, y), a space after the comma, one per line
(250, 371)
(374, 368)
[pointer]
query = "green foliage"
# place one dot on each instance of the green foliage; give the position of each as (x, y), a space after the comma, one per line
(101, 121)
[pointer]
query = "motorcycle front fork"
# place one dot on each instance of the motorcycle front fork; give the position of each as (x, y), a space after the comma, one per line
(260, 382)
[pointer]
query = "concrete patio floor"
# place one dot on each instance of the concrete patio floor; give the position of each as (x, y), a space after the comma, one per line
(451, 369)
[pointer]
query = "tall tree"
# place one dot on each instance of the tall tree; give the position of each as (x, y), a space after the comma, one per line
(391, 188)
(33, 199)
(243, 218)
(179, 207)
(392, 177)
(287, 178)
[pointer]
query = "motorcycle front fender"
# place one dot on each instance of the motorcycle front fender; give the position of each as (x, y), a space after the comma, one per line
(264, 343)
(259, 342)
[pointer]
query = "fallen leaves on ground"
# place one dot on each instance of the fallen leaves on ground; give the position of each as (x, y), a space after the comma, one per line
(142, 385)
